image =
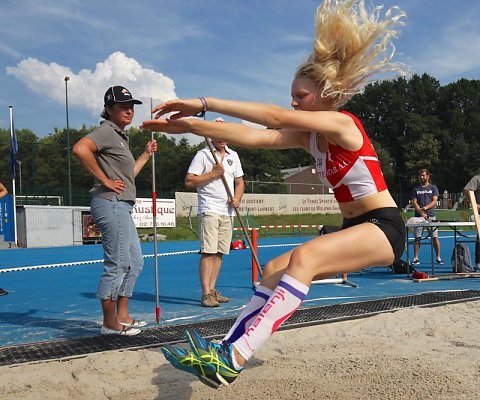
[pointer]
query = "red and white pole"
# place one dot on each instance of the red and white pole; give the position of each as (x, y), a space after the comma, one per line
(254, 250)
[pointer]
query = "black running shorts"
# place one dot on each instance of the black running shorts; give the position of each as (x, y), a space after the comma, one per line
(390, 221)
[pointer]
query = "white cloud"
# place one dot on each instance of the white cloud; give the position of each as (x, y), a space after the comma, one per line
(86, 88)
(9, 51)
(298, 39)
(455, 51)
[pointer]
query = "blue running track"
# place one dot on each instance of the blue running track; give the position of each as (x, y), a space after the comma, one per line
(51, 299)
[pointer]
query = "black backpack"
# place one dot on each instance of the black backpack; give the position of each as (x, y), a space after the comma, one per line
(401, 267)
(461, 259)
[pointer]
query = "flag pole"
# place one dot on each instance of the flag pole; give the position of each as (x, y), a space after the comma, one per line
(14, 158)
(155, 242)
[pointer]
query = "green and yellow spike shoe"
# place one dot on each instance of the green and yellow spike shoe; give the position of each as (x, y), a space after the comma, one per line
(217, 355)
(187, 361)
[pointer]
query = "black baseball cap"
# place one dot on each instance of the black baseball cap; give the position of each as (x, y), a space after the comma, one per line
(118, 94)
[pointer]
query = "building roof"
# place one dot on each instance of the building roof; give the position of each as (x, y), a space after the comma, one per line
(293, 171)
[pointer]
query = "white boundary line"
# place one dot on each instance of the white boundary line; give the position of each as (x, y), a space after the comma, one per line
(73, 264)
(175, 253)
(77, 263)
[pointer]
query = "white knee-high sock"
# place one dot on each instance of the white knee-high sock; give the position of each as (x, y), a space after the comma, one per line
(286, 298)
(251, 310)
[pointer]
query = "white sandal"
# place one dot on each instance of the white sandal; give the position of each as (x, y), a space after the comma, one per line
(133, 324)
(125, 331)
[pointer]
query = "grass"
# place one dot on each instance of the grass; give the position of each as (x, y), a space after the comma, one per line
(183, 230)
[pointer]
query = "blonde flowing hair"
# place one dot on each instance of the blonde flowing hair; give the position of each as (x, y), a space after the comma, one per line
(351, 44)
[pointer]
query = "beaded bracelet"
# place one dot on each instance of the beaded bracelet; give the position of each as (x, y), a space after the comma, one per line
(201, 114)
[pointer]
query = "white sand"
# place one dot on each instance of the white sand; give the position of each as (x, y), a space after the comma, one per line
(429, 353)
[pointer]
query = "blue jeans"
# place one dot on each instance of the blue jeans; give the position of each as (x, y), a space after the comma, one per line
(123, 261)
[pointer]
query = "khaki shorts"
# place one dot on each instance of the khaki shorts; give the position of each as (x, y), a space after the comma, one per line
(419, 231)
(215, 233)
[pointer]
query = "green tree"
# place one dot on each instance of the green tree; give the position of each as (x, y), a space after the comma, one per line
(414, 123)
(27, 142)
(459, 110)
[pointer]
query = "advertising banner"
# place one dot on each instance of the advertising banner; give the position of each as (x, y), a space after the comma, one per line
(267, 204)
(143, 217)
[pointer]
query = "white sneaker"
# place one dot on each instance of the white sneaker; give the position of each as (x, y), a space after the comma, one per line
(125, 331)
(415, 261)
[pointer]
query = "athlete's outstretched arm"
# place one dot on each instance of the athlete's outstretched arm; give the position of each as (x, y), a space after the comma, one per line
(260, 113)
(233, 133)
(340, 128)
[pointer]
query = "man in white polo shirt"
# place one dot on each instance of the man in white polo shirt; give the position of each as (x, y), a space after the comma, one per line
(215, 211)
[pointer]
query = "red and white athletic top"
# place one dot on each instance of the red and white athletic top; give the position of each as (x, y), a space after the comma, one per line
(351, 174)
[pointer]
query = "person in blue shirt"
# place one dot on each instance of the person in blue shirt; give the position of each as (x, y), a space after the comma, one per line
(424, 198)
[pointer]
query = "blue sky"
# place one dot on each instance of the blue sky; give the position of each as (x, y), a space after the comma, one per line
(239, 49)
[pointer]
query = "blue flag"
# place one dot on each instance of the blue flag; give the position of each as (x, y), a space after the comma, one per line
(14, 151)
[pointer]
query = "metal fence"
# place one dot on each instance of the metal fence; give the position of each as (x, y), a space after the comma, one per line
(82, 197)
(285, 188)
